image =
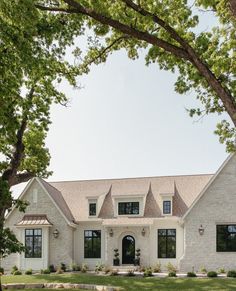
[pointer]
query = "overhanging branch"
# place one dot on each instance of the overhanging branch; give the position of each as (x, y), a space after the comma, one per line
(128, 30)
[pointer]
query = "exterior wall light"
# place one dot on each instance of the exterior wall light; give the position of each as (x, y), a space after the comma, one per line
(143, 232)
(56, 233)
(111, 232)
(201, 230)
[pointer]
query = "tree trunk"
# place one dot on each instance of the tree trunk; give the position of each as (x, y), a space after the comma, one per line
(232, 5)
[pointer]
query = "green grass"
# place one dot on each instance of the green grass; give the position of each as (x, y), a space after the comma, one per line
(130, 283)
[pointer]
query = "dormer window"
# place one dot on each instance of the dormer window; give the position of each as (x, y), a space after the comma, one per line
(92, 209)
(166, 207)
(128, 208)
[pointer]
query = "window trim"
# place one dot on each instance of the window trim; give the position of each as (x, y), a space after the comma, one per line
(127, 214)
(224, 251)
(33, 236)
(166, 244)
(168, 207)
(92, 237)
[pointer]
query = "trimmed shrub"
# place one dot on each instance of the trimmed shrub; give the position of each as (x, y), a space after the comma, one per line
(148, 272)
(221, 271)
(75, 268)
(211, 274)
(231, 273)
(191, 274)
(52, 269)
(63, 267)
(29, 272)
(172, 274)
(13, 269)
(203, 270)
(171, 268)
(2, 270)
(99, 267)
(157, 268)
(84, 268)
(17, 272)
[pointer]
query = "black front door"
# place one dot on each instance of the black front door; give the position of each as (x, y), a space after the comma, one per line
(128, 250)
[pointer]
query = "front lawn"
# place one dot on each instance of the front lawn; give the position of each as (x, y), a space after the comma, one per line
(130, 283)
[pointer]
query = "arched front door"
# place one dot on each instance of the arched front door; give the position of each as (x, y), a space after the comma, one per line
(128, 249)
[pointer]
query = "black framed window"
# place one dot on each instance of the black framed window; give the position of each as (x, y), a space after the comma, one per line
(92, 209)
(92, 244)
(166, 243)
(167, 207)
(128, 208)
(226, 238)
(33, 243)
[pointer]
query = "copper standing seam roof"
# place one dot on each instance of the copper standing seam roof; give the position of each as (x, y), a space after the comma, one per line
(38, 219)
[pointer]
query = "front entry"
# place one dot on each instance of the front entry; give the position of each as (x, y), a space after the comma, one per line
(128, 249)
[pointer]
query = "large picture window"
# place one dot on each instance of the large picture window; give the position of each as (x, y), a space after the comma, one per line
(33, 243)
(125, 208)
(92, 244)
(226, 238)
(166, 243)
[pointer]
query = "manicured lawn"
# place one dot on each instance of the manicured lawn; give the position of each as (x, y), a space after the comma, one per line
(130, 283)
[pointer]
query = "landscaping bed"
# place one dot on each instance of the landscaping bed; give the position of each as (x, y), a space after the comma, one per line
(127, 283)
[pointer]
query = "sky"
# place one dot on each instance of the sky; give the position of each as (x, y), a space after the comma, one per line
(126, 120)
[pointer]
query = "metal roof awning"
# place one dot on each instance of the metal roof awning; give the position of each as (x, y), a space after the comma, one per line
(34, 220)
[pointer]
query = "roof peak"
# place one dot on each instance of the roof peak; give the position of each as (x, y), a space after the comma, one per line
(129, 178)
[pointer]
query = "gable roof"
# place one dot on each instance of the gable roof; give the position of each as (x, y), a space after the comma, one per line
(210, 182)
(58, 199)
(76, 193)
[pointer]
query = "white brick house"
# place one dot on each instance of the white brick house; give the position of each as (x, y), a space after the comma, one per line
(189, 221)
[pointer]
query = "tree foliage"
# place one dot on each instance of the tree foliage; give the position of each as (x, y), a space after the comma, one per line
(32, 64)
(169, 32)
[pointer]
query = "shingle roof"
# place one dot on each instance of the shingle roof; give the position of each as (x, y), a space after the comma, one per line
(58, 199)
(75, 194)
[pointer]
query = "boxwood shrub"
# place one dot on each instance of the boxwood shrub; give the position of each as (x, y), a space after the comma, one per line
(231, 273)
(211, 274)
(191, 274)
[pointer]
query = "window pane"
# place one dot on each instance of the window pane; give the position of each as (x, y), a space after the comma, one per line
(166, 207)
(92, 209)
(166, 243)
(226, 238)
(33, 243)
(161, 247)
(92, 244)
(128, 208)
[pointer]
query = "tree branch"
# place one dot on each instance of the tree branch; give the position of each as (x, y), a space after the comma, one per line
(185, 52)
(55, 9)
(105, 50)
(21, 178)
(232, 5)
(203, 68)
(135, 33)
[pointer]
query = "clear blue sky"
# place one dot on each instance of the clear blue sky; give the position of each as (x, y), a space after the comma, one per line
(127, 121)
